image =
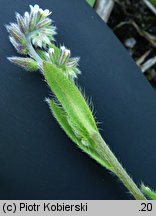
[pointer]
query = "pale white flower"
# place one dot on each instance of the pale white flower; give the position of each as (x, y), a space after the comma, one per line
(45, 13)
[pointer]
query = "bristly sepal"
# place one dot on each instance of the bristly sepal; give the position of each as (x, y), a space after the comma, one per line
(26, 63)
(62, 118)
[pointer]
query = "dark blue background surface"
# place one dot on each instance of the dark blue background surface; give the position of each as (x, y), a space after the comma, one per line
(37, 160)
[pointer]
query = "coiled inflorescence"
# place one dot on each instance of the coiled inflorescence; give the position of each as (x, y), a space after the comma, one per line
(34, 26)
(33, 35)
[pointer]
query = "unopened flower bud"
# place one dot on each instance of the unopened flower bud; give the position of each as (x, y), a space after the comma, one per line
(15, 32)
(33, 26)
(52, 55)
(51, 51)
(20, 48)
(64, 55)
(26, 63)
(21, 23)
(44, 23)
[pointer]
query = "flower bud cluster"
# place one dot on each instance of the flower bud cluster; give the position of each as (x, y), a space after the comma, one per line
(34, 26)
(64, 61)
(32, 35)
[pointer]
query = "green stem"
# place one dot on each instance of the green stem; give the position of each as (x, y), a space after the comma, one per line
(100, 146)
(104, 151)
(32, 51)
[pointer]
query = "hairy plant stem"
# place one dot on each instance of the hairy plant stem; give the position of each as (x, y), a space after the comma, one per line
(104, 151)
(32, 51)
(99, 144)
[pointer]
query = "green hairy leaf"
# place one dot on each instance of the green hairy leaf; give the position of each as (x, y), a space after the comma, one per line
(33, 35)
(61, 117)
(72, 101)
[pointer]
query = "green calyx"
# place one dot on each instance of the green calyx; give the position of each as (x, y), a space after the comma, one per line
(26, 63)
